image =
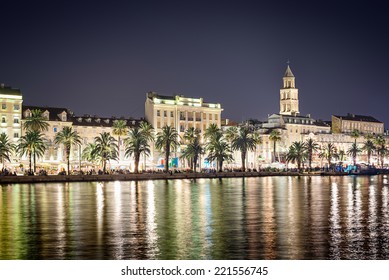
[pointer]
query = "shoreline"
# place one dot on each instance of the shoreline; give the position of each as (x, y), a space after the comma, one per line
(155, 176)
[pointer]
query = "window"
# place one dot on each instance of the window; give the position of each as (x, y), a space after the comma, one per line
(3, 120)
(16, 120)
(16, 134)
(216, 117)
(165, 114)
(158, 113)
(55, 129)
(3, 106)
(210, 117)
(16, 107)
(171, 114)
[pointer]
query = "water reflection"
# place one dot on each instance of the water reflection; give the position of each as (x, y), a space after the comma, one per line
(252, 218)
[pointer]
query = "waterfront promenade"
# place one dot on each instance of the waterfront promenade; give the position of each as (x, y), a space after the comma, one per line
(152, 176)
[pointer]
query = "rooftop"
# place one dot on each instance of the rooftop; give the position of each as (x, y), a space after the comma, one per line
(359, 118)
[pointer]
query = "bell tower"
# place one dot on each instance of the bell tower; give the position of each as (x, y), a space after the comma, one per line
(289, 100)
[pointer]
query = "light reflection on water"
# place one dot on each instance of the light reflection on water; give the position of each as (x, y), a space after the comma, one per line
(237, 218)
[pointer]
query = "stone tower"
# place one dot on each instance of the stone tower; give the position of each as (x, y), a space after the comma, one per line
(289, 99)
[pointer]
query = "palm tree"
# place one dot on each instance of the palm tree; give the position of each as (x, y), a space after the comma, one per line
(275, 136)
(353, 152)
(212, 132)
(136, 144)
(311, 146)
(297, 153)
(6, 148)
(193, 147)
(192, 152)
(231, 133)
(355, 134)
(381, 149)
(106, 148)
(148, 133)
(32, 145)
(119, 128)
(243, 141)
(36, 122)
(258, 141)
(167, 139)
(369, 147)
(341, 155)
(90, 155)
(219, 150)
(68, 138)
(328, 153)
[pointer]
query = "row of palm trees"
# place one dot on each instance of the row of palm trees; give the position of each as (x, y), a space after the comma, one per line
(218, 145)
(300, 152)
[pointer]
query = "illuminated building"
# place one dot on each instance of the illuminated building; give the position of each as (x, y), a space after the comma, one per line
(181, 113)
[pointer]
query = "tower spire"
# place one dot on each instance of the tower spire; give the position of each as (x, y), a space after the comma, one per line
(289, 102)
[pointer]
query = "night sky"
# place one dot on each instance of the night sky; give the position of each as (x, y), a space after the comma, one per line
(101, 57)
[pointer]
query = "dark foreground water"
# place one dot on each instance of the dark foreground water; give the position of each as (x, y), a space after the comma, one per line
(252, 218)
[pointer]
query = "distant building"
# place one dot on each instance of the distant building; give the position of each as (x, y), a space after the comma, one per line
(291, 125)
(181, 113)
(350, 122)
(289, 98)
(87, 127)
(11, 100)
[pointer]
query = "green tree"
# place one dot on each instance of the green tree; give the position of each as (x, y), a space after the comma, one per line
(32, 145)
(148, 132)
(136, 144)
(243, 141)
(119, 129)
(275, 136)
(258, 141)
(297, 153)
(106, 149)
(167, 140)
(68, 138)
(355, 134)
(381, 149)
(311, 147)
(212, 132)
(369, 147)
(90, 155)
(36, 122)
(341, 155)
(193, 147)
(328, 153)
(231, 133)
(6, 148)
(192, 152)
(219, 150)
(353, 152)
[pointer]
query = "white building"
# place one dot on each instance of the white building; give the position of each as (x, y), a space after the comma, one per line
(181, 113)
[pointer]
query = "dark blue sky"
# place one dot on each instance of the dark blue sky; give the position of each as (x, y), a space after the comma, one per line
(101, 57)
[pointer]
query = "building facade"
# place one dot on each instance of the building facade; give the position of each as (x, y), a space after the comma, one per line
(181, 113)
(351, 122)
(11, 107)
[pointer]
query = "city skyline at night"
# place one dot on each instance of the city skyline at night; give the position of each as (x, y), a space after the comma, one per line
(100, 58)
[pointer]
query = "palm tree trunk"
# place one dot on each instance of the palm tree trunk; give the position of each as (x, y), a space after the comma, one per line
(68, 159)
(30, 162)
(34, 163)
(243, 157)
(220, 166)
(274, 151)
(167, 154)
(194, 163)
